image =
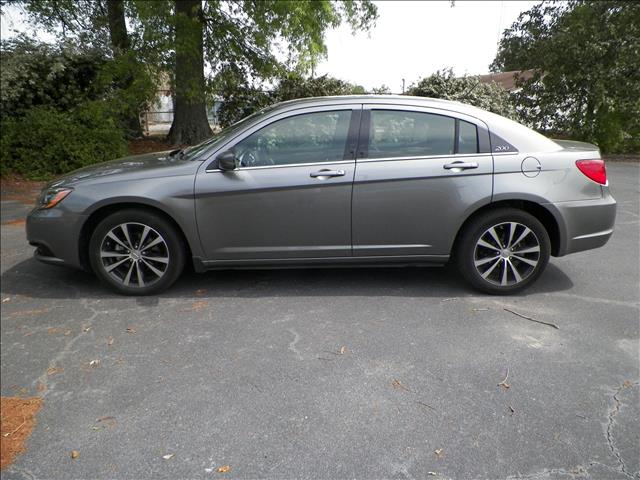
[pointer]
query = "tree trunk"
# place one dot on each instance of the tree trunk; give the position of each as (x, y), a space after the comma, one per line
(190, 124)
(117, 27)
(122, 48)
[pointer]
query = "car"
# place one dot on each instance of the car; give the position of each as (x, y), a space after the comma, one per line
(334, 181)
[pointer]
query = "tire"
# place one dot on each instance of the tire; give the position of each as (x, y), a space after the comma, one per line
(503, 240)
(119, 262)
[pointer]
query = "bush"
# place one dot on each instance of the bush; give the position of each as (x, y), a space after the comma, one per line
(45, 142)
(444, 85)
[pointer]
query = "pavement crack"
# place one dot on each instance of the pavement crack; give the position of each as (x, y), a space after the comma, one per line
(610, 424)
(55, 361)
(292, 344)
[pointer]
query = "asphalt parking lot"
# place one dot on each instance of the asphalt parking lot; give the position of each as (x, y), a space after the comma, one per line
(385, 373)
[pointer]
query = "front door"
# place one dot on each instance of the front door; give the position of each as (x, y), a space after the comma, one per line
(290, 196)
(419, 174)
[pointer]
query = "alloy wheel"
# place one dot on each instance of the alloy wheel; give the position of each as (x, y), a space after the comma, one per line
(134, 254)
(506, 254)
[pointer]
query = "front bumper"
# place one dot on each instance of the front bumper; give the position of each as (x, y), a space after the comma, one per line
(585, 224)
(55, 233)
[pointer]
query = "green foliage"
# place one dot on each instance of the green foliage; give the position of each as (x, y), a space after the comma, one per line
(295, 85)
(63, 77)
(35, 74)
(444, 85)
(241, 98)
(587, 81)
(46, 142)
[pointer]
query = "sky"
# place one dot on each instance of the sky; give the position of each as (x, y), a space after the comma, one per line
(414, 39)
(411, 40)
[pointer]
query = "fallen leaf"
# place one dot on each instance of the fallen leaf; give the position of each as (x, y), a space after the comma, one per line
(398, 384)
(131, 330)
(626, 384)
(433, 474)
(94, 363)
(75, 454)
(54, 370)
(86, 329)
(106, 422)
(67, 333)
(342, 350)
(223, 469)
(168, 456)
(41, 387)
(28, 334)
(5, 300)
(110, 341)
(198, 306)
(439, 452)
(54, 330)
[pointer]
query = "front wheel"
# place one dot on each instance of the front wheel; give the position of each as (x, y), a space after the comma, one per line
(503, 251)
(136, 252)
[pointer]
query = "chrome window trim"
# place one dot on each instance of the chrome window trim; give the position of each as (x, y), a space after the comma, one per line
(310, 164)
(424, 157)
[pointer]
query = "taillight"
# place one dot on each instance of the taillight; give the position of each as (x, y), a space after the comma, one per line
(594, 169)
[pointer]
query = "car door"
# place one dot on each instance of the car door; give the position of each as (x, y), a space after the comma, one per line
(290, 196)
(420, 172)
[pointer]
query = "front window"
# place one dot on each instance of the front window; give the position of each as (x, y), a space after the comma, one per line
(194, 151)
(306, 138)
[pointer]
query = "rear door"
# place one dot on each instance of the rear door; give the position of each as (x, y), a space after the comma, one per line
(290, 196)
(420, 172)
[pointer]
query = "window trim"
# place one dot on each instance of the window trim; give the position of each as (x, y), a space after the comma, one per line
(355, 110)
(482, 129)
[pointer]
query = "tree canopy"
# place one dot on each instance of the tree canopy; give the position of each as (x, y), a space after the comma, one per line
(586, 58)
(254, 40)
(445, 85)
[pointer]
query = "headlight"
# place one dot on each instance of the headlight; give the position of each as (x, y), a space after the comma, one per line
(53, 196)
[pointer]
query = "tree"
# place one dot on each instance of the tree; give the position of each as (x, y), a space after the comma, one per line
(190, 124)
(245, 37)
(121, 47)
(587, 82)
(100, 26)
(444, 85)
(256, 39)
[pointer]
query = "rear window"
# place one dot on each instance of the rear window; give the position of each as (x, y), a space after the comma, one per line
(395, 133)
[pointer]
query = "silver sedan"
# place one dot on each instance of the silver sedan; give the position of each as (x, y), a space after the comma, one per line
(354, 180)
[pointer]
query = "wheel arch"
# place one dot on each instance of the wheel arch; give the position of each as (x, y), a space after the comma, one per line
(548, 219)
(100, 213)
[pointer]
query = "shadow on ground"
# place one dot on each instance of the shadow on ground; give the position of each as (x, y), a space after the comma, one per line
(33, 279)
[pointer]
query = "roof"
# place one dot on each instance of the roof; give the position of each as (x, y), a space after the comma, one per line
(507, 80)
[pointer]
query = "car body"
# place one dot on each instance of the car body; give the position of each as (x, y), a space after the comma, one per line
(350, 180)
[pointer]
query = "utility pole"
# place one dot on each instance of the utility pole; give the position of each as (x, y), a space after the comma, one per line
(403, 86)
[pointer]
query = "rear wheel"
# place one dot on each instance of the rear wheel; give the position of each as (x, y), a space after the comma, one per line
(503, 251)
(136, 252)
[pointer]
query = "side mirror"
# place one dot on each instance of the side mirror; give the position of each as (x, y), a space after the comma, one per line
(226, 161)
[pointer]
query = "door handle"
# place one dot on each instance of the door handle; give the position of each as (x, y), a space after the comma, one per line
(460, 165)
(322, 174)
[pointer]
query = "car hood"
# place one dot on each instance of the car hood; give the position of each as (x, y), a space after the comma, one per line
(150, 165)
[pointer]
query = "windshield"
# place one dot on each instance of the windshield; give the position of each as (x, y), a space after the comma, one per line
(195, 151)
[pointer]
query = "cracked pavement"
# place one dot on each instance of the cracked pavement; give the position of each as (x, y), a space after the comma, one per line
(247, 369)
